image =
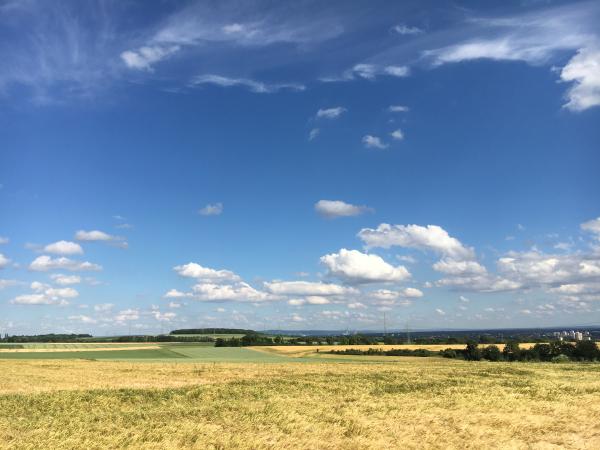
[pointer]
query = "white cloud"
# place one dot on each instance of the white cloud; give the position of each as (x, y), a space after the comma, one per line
(584, 71)
(357, 305)
(4, 283)
(396, 71)
(61, 292)
(215, 209)
(370, 72)
(480, 283)
(296, 301)
(370, 141)
(430, 237)
(4, 240)
(398, 135)
(440, 312)
(538, 38)
(313, 134)
(317, 300)
(3, 261)
(464, 299)
(101, 236)
(194, 270)
(386, 294)
(330, 113)
(411, 293)
(164, 317)
(406, 30)
(592, 226)
(297, 318)
(103, 307)
(46, 295)
(460, 267)
(238, 292)
(65, 280)
(144, 57)
(353, 266)
(234, 28)
(83, 319)
(127, 315)
(174, 293)
(307, 288)
(174, 305)
(44, 263)
(398, 108)
(94, 235)
(257, 87)
(337, 208)
(64, 248)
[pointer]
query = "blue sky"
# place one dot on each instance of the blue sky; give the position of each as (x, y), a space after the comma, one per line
(298, 165)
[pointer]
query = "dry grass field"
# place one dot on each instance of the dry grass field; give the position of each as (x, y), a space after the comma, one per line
(404, 403)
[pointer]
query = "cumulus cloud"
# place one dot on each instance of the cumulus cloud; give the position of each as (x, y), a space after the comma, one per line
(387, 294)
(214, 209)
(398, 108)
(65, 280)
(103, 307)
(397, 135)
(64, 248)
(238, 292)
(100, 236)
(371, 141)
(592, 226)
(430, 237)
(164, 316)
(307, 288)
(3, 261)
(127, 315)
(460, 267)
(45, 263)
(174, 293)
(353, 266)
(83, 319)
(336, 208)
(194, 270)
(254, 86)
(331, 113)
(583, 70)
(144, 57)
(46, 295)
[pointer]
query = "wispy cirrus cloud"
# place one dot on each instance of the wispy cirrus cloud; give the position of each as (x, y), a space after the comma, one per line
(257, 87)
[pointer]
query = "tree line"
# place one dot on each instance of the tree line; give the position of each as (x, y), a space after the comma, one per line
(554, 351)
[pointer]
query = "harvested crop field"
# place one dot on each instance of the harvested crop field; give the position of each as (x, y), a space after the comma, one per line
(409, 403)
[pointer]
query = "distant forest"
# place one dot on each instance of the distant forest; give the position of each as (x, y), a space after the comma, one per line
(212, 331)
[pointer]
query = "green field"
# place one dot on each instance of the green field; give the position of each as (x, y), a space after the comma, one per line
(170, 351)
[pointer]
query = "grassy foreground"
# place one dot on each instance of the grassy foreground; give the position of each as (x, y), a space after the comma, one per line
(407, 403)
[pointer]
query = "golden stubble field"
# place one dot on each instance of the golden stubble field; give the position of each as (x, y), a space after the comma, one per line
(407, 403)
